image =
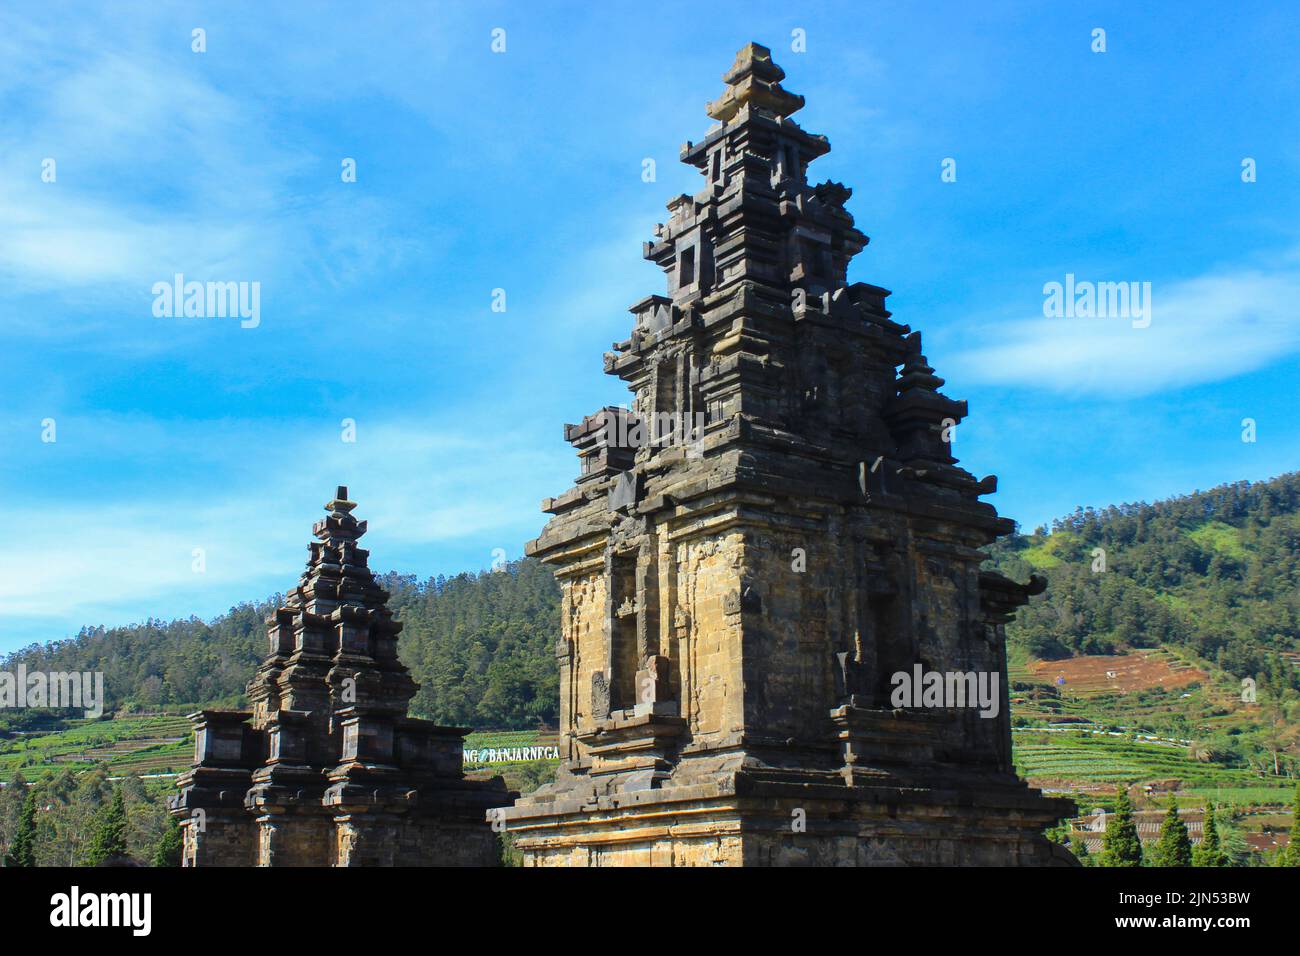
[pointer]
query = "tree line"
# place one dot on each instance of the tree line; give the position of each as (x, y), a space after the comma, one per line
(1214, 572)
(1221, 844)
(482, 647)
(70, 819)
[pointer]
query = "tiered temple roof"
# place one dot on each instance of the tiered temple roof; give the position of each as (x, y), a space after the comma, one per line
(327, 767)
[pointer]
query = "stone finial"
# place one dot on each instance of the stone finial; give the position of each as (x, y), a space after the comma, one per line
(918, 374)
(754, 80)
(340, 502)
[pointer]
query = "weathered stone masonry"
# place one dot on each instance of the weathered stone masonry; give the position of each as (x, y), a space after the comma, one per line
(328, 769)
(736, 602)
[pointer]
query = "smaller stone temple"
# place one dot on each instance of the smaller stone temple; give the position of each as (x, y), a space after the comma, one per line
(327, 769)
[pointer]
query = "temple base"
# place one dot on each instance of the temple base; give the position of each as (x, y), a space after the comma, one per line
(790, 823)
(355, 839)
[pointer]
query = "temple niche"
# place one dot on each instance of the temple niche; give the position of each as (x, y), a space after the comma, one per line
(772, 531)
(327, 769)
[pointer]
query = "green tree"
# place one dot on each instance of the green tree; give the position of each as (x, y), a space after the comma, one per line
(1290, 855)
(1236, 851)
(1174, 847)
(1080, 850)
(11, 808)
(22, 850)
(109, 839)
(1121, 846)
(1208, 852)
(168, 851)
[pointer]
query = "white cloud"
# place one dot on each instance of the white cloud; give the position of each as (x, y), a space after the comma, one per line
(1203, 329)
(159, 171)
(118, 127)
(419, 489)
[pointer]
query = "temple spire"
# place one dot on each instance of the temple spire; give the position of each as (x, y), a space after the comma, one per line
(754, 79)
(340, 502)
(339, 526)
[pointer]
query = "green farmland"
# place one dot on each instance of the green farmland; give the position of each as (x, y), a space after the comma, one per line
(126, 745)
(165, 744)
(1082, 758)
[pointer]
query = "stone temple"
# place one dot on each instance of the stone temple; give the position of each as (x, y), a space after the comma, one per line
(328, 769)
(756, 549)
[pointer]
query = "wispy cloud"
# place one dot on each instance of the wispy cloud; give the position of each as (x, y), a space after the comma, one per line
(111, 125)
(1203, 329)
(158, 169)
(421, 489)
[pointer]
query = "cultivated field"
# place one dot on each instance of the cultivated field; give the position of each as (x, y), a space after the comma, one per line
(126, 745)
(1117, 673)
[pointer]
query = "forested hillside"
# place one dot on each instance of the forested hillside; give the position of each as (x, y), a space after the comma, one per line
(1215, 574)
(481, 645)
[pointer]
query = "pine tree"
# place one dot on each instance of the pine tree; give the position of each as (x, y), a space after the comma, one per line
(1290, 855)
(22, 851)
(1174, 847)
(1080, 850)
(1121, 846)
(1208, 852)
(109, 839)
(168, 851)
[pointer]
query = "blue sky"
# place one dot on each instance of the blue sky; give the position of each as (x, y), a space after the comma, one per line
(522, 171)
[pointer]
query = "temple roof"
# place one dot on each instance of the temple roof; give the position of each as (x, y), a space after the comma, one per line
(754, 80)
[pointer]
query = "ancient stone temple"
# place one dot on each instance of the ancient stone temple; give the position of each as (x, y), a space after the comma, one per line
(778, 646)
(327, 769)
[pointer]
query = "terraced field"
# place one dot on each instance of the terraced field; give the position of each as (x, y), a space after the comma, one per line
(139, 745)
(165, 744)
(1083, 758)
(1278, 795)
(523, 776)
(1085, 735)
(484, 739)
